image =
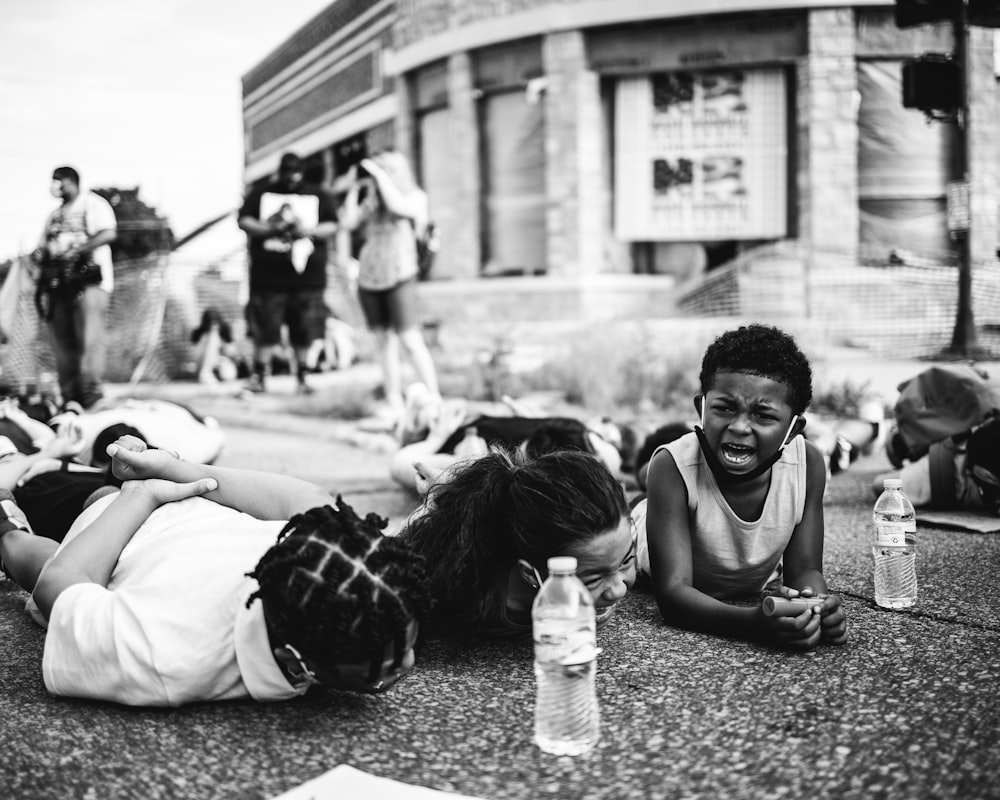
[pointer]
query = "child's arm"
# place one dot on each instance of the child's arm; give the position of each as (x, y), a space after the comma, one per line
(802, 561)
(91, 556)
(264, 495)
(668, 534)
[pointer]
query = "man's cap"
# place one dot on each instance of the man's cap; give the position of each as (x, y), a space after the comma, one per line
(290, 163)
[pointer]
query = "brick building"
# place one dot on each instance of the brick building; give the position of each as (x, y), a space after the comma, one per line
(587, 157)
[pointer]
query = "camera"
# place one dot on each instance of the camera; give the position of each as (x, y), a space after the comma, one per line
(788, 606)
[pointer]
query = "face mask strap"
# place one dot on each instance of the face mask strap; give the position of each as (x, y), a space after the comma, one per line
(723, 476)
(538, 576)
(306, 675)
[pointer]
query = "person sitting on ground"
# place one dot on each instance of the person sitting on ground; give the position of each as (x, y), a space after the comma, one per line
(418, 462)
(736, 507)
(153, 598)
(486, 534)
(215, 353)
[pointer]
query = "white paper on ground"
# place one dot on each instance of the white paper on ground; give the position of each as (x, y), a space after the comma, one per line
(344, 781)
(966, 520)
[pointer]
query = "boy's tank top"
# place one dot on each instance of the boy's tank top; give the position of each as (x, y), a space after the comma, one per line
(730, 556)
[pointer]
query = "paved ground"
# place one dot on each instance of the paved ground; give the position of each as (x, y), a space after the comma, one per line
(907, 709)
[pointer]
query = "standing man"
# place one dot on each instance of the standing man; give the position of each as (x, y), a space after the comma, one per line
(76, 276)
(287, 225)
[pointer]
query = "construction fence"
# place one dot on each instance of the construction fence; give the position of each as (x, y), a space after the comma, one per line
(904, 309)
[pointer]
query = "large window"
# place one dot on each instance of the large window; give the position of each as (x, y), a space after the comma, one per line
(903, 167)
(514, 185)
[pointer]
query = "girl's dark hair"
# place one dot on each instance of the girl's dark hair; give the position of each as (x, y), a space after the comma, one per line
(559, 433)
(760, 350)
(502, 507)
(337, 589)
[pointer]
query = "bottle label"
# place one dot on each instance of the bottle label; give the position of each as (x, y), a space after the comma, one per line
(893, 533)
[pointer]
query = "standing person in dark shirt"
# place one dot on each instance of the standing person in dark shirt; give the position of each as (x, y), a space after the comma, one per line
(288, 226)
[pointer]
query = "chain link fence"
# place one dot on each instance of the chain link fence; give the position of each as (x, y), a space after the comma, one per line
(903, 309)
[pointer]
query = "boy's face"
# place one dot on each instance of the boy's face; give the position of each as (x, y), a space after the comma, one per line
(746, 419)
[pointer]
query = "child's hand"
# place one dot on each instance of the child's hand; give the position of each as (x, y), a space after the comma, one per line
(802, 631)
(833, 620)
(68, 442)
(131, 460)
(161, 492)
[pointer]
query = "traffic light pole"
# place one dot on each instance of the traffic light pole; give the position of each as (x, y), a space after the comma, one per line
(963, 340)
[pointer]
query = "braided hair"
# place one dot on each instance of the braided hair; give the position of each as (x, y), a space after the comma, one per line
(337, 589)
(760, 350)
(502, 507)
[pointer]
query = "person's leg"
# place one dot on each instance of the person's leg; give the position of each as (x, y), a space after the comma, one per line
(23, 555)
(392, 368)
(375, 306)
(265, 313)
(403, 313)
(208, 353)
(306, 320)
(92, 319)
(65, 347)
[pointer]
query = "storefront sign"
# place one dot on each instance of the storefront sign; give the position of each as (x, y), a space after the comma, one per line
(701, 156)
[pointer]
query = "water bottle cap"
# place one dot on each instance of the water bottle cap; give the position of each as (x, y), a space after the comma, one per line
(562, 564)
(892, 483)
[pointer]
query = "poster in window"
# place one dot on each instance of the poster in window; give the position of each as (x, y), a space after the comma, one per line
(701, 156)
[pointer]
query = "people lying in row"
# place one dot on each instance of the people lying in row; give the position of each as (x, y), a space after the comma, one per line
(734, 512)
(446, 425)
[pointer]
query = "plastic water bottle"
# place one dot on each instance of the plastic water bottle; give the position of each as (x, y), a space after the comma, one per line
(567, 719)
(472, 445)
(895, 547)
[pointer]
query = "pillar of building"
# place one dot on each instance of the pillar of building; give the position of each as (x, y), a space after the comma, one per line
(461, 248)
(983, 135)
(404, 126)
(827, 135)
(572, 157)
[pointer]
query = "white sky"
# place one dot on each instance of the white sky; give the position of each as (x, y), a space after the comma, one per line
(131, 93)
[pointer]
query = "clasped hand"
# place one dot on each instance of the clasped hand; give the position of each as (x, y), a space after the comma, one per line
(132, 460)
(823, 623)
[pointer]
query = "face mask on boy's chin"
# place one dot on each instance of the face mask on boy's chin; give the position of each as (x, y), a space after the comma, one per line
(723, 476)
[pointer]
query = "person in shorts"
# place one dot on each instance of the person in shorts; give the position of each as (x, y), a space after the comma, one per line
(288, 225)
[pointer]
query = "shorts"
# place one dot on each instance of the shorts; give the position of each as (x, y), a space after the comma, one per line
(394, 308)
(303, 311)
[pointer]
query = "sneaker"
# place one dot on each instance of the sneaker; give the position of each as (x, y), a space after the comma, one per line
(303, 388)
(256, 384)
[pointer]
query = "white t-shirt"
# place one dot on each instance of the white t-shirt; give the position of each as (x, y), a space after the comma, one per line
(74, 223)
(172, 626)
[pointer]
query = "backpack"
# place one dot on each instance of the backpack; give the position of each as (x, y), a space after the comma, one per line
(936, 412)
(939, 403)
